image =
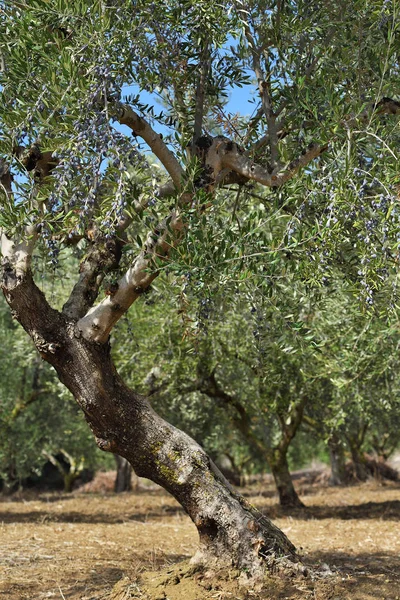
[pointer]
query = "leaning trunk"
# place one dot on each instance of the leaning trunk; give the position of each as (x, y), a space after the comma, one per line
(123, 480)
(280, 470)
(123, 422)
(230, 530)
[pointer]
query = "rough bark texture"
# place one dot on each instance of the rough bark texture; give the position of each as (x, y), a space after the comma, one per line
(287, 494)
(123, 422)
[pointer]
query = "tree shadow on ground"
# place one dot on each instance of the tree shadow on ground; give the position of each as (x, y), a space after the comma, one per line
(43, 516)
(362, 563)
(361, 575)
(387, 511)
(92, 582)
(51, 497)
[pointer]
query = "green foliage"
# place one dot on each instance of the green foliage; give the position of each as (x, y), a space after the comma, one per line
(326, 71)
(282, 293)
(36, 412)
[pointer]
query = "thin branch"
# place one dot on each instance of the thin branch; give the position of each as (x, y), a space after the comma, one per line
(35, 392)
(311, 66)
(252, 123)
(312, 423)
(21, 405)
(211, 388)
(264, 140)
(289, 430)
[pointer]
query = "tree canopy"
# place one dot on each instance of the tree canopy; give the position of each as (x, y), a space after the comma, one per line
(125, 156)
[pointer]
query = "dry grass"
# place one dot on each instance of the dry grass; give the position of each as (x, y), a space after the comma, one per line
(77, 547)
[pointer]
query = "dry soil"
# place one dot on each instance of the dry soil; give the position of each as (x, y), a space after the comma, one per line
(78, 546)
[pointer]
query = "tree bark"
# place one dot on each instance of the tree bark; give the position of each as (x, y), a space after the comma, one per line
(337, 459)
(360, 469)
(288, 496)
(355, 437)
(123, 422)
(123, 480)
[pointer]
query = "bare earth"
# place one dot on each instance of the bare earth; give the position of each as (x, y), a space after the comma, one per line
(79, 546)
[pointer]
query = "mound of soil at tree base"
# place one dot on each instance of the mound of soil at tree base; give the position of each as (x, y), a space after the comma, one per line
(186, 582)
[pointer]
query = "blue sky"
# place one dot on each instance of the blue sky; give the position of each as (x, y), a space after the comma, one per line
(238, 102)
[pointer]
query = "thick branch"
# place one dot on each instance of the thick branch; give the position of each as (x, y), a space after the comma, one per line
(221, 156)
(239, 163)
(103, 256)
(98, 322)
(28, 304)
(221, 159)
(17, 254)
(140, 127)
(264, 89)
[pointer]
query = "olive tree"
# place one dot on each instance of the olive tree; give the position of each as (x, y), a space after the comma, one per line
(323, 105)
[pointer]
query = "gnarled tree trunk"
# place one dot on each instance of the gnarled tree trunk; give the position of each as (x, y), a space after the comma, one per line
(355, 439)
(123, 422)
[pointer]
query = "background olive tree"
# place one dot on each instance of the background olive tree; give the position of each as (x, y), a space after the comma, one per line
(301, 191)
